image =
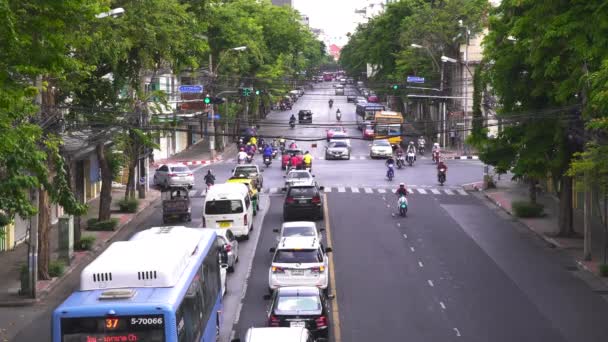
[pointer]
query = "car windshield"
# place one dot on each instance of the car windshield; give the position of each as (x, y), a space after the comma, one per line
(337, 144)
(223, 207)
(381, 143)
(296, 152)
(304, 191)
(297, 256)
(298, 303)
(298, 175)
(179, 169)
(299, 231)
(245, 170)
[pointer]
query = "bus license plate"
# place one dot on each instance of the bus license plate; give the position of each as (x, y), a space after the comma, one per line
(299, 324)
(225, 224)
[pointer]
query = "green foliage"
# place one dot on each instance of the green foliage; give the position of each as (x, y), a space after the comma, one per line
(128, 205)
(478, 132)
(603, 270)
(85, 243)
(526, 209)
(109, 225)
(56, 268)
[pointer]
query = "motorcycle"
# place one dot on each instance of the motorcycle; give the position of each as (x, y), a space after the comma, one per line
(338, 116)
(331, 104)
(410, 158)
(249, 158)
(402, 206)
(441, 176)
(400, 160)
(292, 124)
(267, 161)
(421, 149)
(436, 157)
(390, 173)
(274, 152)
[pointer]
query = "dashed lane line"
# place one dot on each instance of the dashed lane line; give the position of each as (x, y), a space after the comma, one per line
(430, 283)
(420, 264)
(457, 332)
(442, 305)
(412, 249)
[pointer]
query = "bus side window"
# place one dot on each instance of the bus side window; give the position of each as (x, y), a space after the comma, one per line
(190, 312)
(210, 280)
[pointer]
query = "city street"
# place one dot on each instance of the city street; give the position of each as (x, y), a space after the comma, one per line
(454, 269)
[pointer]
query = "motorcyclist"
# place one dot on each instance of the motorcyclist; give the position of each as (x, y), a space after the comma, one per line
(242, 155)
(338, 114)
(390, 161)
(253, 141)
(293, 144)
(331, 102)
(441, 165)
(436, 147)
(307, 159)
(294, 161)
(399, 150)
(292, 119)
(209, 178)
(282, 142)
(401, 190)
(267, 151)
(411, 148)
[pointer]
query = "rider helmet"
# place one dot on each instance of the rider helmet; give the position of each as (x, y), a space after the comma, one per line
(411, 143)
(307, 152)
(242, 149)
(402, 185)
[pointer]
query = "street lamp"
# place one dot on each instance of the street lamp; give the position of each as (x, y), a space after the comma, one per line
(111, 13)
(418, 46)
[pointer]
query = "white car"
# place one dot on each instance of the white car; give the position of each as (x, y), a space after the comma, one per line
(298, 229)
(229, 244)
(299, 261)
(380, 148)
(299, 178)
(169, 175)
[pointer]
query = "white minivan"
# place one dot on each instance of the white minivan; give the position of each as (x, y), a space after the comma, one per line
(229, 206)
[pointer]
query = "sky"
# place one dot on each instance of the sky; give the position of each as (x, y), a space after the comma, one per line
(334, 17)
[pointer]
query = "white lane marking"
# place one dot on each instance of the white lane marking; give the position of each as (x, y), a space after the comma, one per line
(462, 192)
(405, 236)
(361, 157)
(422, 191)
(457, 332)
(430, 283)
(435, 191)
(368, 190)
(442, 305)
(381, 191)
(412, 249)
(448, 191)
(327, 189)
(354, 189)
(420, 264)
(238, 313)
(410, 191)
(341, 189)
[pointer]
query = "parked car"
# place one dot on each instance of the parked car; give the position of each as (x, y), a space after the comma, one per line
(303, 201)
(169, 175)
(300, 307)
(229, 244)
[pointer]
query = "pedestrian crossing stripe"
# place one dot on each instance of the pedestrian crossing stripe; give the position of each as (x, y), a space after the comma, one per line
(370, 190)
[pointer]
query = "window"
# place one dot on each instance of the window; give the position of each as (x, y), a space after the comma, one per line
(164, 168)
(302, 192)
(180, 169)
(299, 231)
(211, 279)
(190, 312)
(222, 207)
(247, 202)
(338, 144)
(299, 256)
(299, 303)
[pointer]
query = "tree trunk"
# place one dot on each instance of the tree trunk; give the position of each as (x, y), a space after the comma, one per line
(73, 176)
(105, 196)
(44, 243)
(565, 207)
(532, 190)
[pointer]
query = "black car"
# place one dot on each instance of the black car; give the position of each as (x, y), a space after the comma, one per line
(351, 98)
(305, 116)
(300, 306)
(303, 201)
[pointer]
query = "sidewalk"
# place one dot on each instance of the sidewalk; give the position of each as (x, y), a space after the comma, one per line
(197, 154)
(546, 227)
(12, 260)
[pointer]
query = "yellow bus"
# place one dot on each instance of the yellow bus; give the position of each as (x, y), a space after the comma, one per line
(388, 125)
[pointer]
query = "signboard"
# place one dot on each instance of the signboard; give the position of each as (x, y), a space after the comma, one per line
(191, 89)
(215, 116)
(415, 79)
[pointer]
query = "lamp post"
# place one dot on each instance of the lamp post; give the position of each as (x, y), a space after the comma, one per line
(465, 79)
(417, 46)
(213, 73)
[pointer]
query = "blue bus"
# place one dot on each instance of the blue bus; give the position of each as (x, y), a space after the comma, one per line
(366, 112)
(161, 285)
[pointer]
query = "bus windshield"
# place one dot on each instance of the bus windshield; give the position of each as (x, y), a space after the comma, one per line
(369, 115)
(389, 130)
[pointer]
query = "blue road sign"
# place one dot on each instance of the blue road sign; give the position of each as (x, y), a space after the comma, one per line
(215, 116)
(415, 79)
(191, 89)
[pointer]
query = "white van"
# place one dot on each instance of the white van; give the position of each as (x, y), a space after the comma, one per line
(229, 206)
(277, 335)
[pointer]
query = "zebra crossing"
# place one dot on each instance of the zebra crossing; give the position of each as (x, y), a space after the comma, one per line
(381, 190)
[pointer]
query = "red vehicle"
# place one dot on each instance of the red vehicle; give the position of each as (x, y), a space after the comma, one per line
(287, 155)
(368, 132)
(373, 99)
(333, 130)
(328, 77)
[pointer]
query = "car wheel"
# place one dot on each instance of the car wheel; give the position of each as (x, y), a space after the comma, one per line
(348, 157)
(190, 187)
(246, 237)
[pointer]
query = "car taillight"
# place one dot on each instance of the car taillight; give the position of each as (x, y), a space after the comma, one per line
(276, 269)
(316, 200)
(319, 269)
(227, 247)
(172, 175)
(289, 200)
(321, 322)
(245, 219)
(190, 175)
(273, 321)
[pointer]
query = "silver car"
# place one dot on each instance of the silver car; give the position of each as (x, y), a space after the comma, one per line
(169, 175)
(229, 244)
(337, 149)
(299, 178)
(380, 148)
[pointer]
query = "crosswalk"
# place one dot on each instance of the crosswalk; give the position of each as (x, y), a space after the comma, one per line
(380, 190)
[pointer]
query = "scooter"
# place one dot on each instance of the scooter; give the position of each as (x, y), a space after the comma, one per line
(441, 176)
(400, 160)
(274, 152)
(421, 149)
(267, 161)
(292, 124)
(249, 159)
(338, 116)
(391, 172)
(436, 157)
(402, 206)
(410, 158)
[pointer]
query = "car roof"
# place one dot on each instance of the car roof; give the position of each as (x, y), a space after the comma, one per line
(380, 140)
(299, 224)
(305, 111)
(298, 290)
(298, 242)
(340, 134)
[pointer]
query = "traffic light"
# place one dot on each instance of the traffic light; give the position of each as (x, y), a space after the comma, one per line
(258, 92)
(395, 87)
(246, 91)
(207, 99)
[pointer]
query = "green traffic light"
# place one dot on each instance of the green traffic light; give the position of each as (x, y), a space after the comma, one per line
(395, 87)
(207, 100)
(257, 92)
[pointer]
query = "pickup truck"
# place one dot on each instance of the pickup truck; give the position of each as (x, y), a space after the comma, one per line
(250, 171)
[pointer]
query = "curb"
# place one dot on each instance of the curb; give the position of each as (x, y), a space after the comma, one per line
(549, 240)
(188, 162)
(55, 282)
(466, 157)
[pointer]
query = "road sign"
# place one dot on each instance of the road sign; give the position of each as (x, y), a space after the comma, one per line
(142, 180)
(415, 79)
(191, 89)
(215, 116)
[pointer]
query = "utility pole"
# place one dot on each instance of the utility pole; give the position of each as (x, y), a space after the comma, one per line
(587, 219)
(466, 88)
(211, 114)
